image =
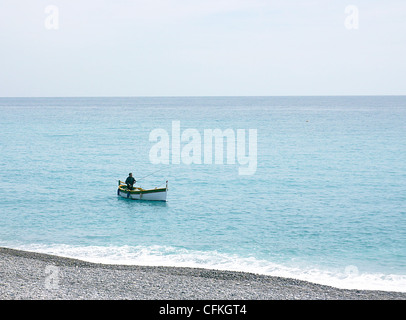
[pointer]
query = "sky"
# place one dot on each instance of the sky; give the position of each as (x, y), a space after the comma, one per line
(202, 47)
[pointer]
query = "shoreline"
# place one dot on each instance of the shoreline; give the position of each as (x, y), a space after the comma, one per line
(28, 275)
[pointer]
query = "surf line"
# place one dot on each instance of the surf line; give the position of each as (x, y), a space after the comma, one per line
(187, 146)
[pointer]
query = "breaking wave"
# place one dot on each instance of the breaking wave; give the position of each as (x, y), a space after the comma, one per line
(349, 278)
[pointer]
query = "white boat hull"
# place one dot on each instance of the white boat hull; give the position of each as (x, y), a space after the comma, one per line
(157, 194)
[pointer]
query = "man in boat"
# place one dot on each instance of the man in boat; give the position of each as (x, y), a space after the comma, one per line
(130, 181)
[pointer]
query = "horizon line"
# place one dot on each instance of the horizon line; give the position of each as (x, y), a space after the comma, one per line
(213, 96)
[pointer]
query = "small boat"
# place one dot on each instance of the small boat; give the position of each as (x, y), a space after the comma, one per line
(157, 194)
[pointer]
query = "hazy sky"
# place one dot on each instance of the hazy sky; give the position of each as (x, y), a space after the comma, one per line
(202, 47)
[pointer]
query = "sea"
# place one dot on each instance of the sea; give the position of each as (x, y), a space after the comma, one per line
(324, 201)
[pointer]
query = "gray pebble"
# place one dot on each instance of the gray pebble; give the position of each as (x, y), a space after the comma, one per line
(24, 276)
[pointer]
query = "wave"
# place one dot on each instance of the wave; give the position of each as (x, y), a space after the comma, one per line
(349, 278)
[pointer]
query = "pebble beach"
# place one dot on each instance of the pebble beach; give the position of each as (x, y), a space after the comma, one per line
(34, 276)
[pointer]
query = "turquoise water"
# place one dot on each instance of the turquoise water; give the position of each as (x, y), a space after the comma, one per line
(326, 202)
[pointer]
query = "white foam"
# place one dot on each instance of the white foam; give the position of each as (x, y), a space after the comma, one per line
(349, 278)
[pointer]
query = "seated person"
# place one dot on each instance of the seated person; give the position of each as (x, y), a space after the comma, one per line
(130, 181)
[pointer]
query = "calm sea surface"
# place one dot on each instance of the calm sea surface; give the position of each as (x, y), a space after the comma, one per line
(327, 202)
